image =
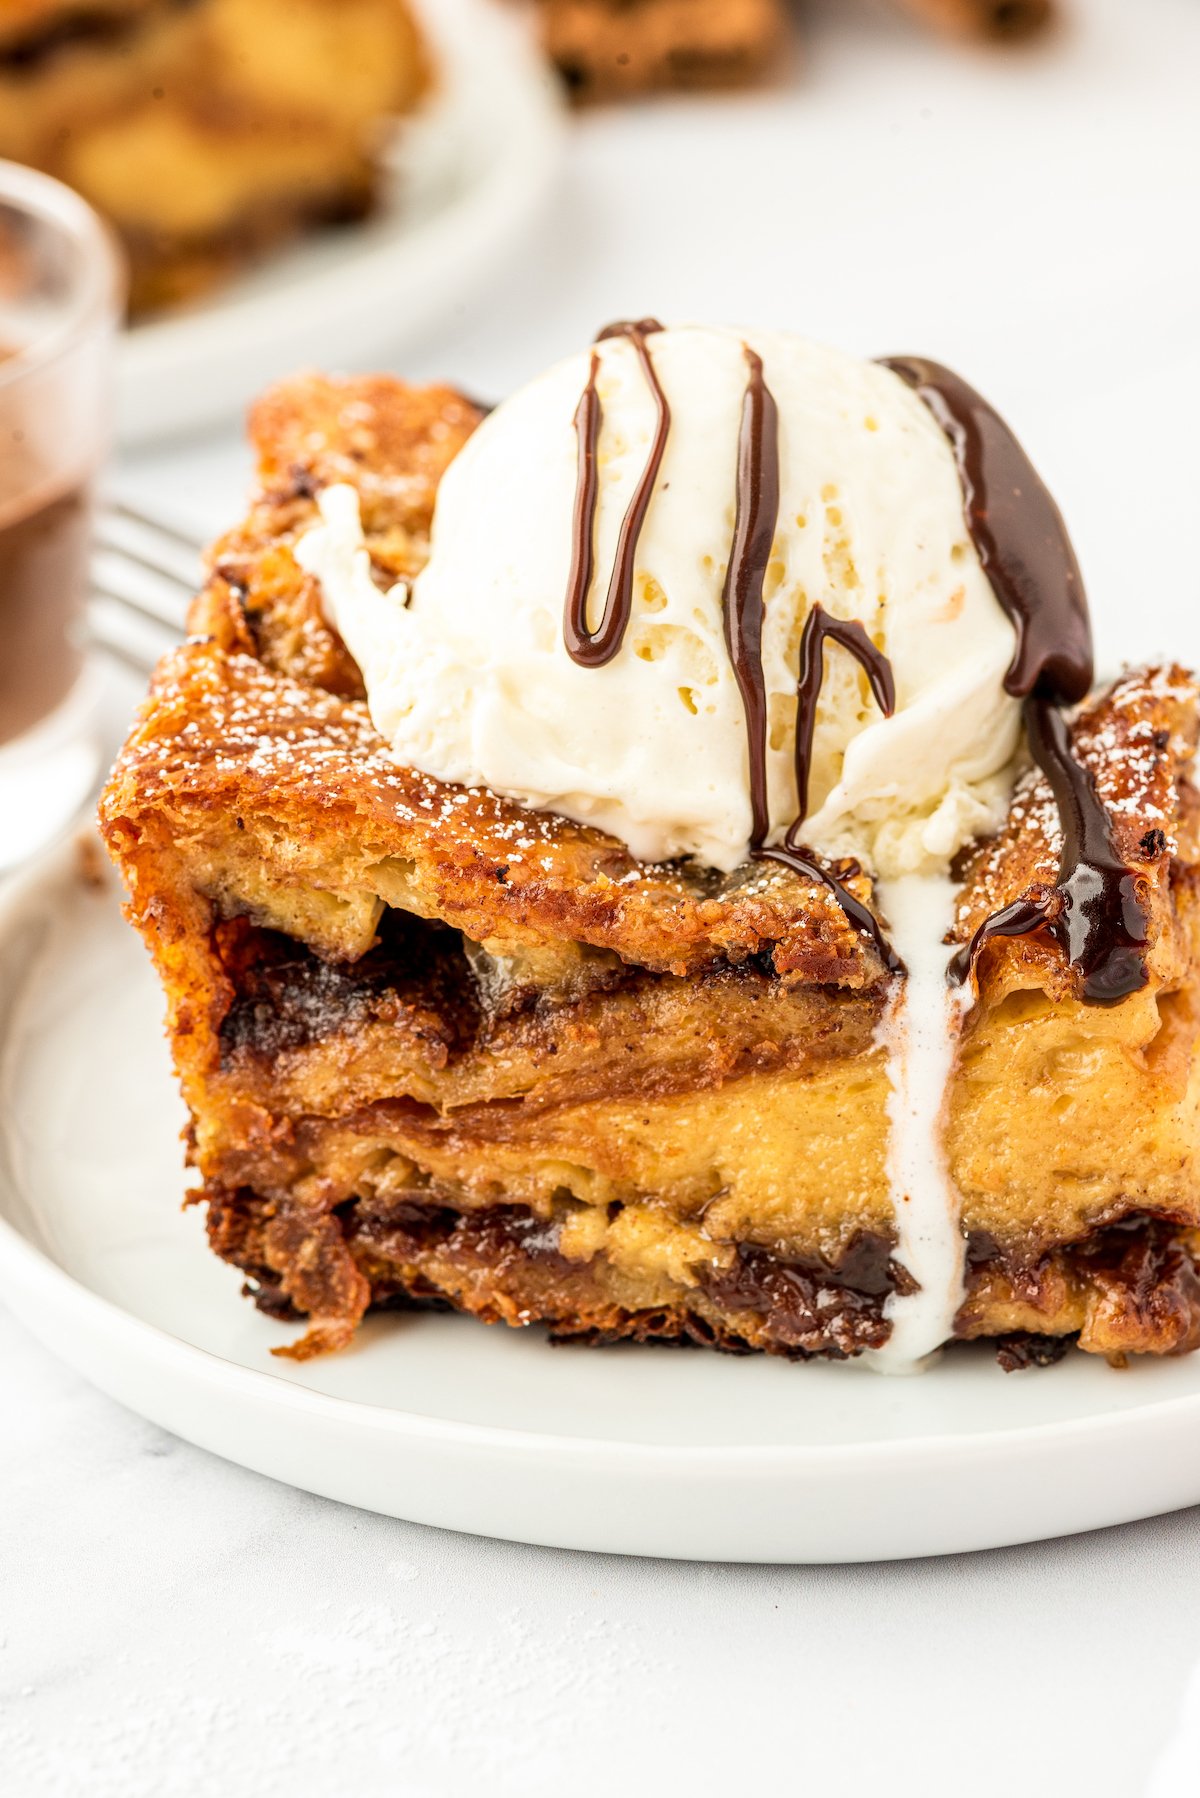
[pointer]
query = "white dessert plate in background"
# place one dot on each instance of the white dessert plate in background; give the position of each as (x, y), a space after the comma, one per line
(444, 1421)
(470, 173)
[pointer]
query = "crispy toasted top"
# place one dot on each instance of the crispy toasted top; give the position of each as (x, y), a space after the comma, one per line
(221, 738)
(262, 715)
(389, 441)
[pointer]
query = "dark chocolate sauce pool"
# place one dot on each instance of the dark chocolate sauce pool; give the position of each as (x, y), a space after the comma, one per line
(1094, 912)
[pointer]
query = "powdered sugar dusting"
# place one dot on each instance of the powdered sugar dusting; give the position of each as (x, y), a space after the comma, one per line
(223, 738)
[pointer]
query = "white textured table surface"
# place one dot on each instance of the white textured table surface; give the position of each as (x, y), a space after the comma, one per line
(170, 1624)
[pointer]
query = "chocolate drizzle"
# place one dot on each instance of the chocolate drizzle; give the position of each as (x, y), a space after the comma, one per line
(755, 521)
(742, 601)
(592, 649)
(821, 627)
(588, 418)
(789, 855)
(1094, 912)
(1019, 535)
(753, 536)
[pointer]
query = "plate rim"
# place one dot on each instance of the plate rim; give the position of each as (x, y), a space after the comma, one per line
(25, 1264)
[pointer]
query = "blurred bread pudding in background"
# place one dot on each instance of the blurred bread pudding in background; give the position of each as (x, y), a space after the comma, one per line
(605, 50)
(610, 49)
(207, 131)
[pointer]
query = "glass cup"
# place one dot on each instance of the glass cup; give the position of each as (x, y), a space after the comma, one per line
(62, 291)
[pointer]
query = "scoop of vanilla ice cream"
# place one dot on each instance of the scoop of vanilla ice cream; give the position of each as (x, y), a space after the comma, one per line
(468, 677)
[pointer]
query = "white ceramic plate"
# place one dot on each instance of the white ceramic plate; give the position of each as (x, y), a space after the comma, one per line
(439, 1419)
(470, 175)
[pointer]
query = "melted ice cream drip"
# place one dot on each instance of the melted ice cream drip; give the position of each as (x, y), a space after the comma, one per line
(920, 1035)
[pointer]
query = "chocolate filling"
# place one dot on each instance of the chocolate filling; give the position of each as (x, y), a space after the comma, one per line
(796, 1306)
(1021, 1349)
(1138, 1252)
(811, 1306)
(492, 1236)
(1137, 1271)
(287, 998)
(793, 1306)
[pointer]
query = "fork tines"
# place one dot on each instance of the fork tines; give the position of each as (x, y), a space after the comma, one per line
(144, 573)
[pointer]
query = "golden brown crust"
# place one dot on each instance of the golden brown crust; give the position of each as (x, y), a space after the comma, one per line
(392, 443)
(222, 737)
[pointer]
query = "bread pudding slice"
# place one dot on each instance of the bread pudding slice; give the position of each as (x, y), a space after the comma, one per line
(440, 1048)
(207, 131)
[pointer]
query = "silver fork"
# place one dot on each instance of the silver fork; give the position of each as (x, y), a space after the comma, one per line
(144, 573)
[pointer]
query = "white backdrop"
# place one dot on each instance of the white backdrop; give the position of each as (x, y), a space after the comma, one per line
(172, 1625)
